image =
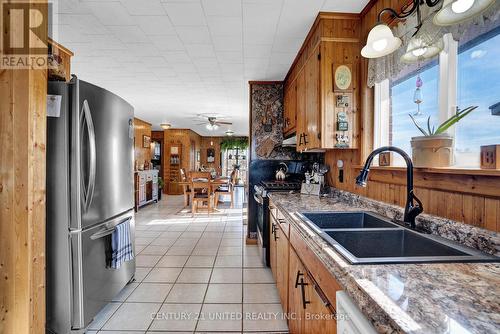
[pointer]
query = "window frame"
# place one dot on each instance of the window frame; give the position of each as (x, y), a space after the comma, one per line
(447, 91)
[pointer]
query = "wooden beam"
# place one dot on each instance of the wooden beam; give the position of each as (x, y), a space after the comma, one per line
(22, 197)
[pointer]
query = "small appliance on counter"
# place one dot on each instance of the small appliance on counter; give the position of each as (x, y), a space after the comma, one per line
(90, 204)
(315, 183)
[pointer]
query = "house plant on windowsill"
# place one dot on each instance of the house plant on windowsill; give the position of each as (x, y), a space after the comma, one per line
(435, 147)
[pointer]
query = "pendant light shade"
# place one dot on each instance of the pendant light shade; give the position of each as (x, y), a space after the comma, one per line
(165, 126)
(380, 42)
(418, 50)
(457, 11)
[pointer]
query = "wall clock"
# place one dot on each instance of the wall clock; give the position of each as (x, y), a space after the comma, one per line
(343, 77)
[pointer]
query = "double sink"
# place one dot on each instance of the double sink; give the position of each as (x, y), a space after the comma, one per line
(367, 238)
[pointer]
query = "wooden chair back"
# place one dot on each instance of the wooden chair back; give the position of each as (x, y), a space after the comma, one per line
(199, 175)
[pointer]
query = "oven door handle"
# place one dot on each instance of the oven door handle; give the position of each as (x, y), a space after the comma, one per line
(258, 199)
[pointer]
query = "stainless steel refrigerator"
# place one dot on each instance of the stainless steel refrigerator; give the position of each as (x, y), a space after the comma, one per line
(90, 190)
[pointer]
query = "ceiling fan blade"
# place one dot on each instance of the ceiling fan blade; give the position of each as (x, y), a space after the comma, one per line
(226, 123)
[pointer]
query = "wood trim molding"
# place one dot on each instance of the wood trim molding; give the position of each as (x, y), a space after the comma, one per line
(483, 185)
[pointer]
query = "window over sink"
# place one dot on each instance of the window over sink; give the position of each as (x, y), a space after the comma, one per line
(465, 74)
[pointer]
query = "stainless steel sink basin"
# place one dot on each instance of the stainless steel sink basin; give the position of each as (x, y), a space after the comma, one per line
(347, 220)
(366, 238)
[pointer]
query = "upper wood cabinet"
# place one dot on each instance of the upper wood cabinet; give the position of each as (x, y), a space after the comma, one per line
(325, 107)
(290, 105)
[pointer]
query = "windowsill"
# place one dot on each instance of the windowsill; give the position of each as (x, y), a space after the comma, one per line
(440, 170)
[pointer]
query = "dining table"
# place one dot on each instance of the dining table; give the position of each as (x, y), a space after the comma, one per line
(214, 183)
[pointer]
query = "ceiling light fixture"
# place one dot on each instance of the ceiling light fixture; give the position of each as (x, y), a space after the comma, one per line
(457, 11)
(382, 42)
(212, 127)
(418, 49)
(165, 126)
(229, 133)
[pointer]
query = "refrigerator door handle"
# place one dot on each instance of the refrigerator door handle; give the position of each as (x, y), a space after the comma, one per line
(88, 189)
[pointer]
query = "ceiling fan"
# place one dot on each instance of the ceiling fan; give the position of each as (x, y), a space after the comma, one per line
(212, 122)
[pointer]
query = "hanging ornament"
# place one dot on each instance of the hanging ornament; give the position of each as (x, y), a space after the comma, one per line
(417, 96)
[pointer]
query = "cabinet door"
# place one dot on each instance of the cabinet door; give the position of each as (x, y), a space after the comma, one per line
(301, 110)
(282, 253)
(290, 101)
(296, 276)
(312, 101)
(319, 314)
(273, 225)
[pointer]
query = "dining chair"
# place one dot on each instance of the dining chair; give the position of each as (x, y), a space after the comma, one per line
(185, 188)
(194, 175)
(226, 189)
(201, 191)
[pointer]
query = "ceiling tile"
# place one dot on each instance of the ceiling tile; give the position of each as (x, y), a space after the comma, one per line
(230, 56)
(143, 7)
(227, 43)
(222, 7)
(175, 57)
(154, 25)
(185, 13)
(225, 26)
(110, 13)
(129, 34)
(200, 50)
(167, 42)
(194, 34)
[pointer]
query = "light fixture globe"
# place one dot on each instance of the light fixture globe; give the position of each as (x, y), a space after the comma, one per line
(381, 42)
(165, 126)
(418, 50)
(229, 133)
(458, 11)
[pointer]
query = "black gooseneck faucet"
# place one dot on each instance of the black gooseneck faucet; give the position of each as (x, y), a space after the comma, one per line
(412, 210)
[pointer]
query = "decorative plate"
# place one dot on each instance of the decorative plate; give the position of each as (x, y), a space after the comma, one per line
(343, 77)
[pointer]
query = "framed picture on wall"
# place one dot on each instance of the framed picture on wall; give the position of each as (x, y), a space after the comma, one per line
(146, 141)
(210, 155)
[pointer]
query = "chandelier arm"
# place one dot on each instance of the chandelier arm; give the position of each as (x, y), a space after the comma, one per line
(402, 15)
(432, 3)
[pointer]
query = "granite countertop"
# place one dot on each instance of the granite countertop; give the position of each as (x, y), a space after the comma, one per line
(409, 298)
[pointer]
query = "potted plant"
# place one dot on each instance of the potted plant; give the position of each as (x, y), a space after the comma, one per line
(160, 187)
(435, 147)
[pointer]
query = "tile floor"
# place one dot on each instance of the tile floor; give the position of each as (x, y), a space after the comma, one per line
(194, 274)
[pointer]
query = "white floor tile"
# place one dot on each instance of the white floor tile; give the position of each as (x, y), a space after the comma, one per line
(226, 275)
(194, 275)
(177, 317)
(149, 293)
(103, 316)
(273, 321)
(163, 275)
(220, 317)
(224, 293)
(200, 261)
(132, 316)
(187, 293)
(173, 261)
(146, 260)
(229, 261)
(260, 293)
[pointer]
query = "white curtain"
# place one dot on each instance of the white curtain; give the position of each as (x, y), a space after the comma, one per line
(390, 66)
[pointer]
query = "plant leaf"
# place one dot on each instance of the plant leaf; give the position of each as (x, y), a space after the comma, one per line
(429, 126)
(454, 119)
(418, 126)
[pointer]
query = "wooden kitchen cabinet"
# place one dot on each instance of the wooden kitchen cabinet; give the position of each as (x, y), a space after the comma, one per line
(323, 107)
(312, 312)
(279, 249)
(296, 307)
(290, 106)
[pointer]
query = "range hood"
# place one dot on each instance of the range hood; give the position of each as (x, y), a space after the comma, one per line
(290, 142)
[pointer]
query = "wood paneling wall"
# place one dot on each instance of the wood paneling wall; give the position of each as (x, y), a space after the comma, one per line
(22, 197)
(190, 141)
(468, 197)
(211, 142)
(141, 128)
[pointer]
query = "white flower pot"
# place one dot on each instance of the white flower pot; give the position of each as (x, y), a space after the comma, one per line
(432, 151)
